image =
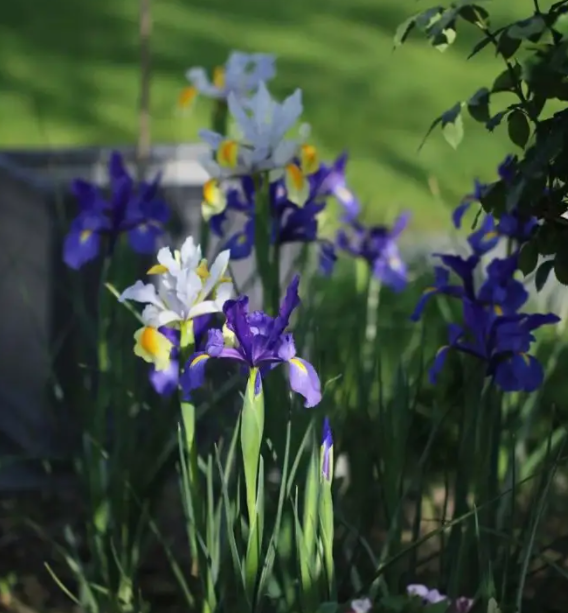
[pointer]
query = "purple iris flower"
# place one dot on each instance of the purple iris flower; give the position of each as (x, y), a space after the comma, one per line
(290, 223)
(165, 382)
(334, 184)
(260, 342)
(502, 342)
(500, 291)
(512, 224)
(378, 246)
(134, 210)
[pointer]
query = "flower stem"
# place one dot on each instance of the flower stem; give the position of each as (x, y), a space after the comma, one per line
(190, 449)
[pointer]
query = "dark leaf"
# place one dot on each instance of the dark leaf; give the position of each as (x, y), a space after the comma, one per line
(561, 268)
(403, 31)
(495, 120)
(507, 46)
(493, 199)
(528, 257)
(542, 274)
(476, 15)
(526, 28)
(479, 46)
(507, 80)
(548, 238)
(514, 194)
(444, 39)
(428, 18)
(478, 105)
(519, 128)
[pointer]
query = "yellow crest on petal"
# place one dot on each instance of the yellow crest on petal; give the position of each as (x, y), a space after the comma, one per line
(187, 97)
(153, 347)
(309, 159)
(297, 185)
(85, 236)
(157, 269)
(219, 77)
(202, 270)
(214, 200)
(298, 363)
(227, 154)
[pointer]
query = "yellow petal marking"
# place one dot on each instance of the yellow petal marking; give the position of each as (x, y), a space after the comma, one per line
(309, 159)
(187, 96)
(227, 154)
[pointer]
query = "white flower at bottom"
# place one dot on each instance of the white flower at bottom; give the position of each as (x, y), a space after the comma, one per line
(363, 605)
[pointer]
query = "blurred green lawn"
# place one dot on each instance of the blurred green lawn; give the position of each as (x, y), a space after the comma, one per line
(69, 76)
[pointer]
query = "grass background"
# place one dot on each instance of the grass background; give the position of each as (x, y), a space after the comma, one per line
(69, 76)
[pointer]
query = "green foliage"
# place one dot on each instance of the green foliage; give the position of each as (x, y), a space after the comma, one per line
(533, 82)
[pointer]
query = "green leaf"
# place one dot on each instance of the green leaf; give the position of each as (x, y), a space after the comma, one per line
(507, 46)
(479, 46)
(452, 126)
(561, 262)
(561, 269)
(443, 40)
(478, 105)
(519, 128)
(428, 18)
(507, 80)
(528, 257)
(403, 31)
(542, 274)
(495, 120)
(493, 199)
(548, 239)
(526, 28)
(476, 15)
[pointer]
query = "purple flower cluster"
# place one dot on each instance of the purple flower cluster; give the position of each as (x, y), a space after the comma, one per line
(134, 210)
(291, 223)
(493, 329)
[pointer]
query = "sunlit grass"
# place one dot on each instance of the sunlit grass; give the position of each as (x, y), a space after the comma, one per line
(69, 76)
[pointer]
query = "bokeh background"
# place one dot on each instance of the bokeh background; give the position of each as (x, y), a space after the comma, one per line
(69, 75)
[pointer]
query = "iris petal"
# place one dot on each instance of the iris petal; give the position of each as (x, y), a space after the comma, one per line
(305, 381)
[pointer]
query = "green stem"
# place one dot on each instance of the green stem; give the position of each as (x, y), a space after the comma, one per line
(262, 231)
(189, 425)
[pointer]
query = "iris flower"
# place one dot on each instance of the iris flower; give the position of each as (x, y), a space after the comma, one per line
(290, 223)
(131, 209)
(500, 291)
(501, 342)
(186, 290)
(241, 76)
(257, 341)
(165, 382)
(378, 246)
(186, 286)
(511, 224)
(263, 147)
(335, 184)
